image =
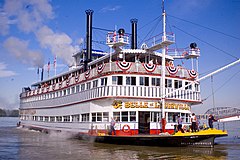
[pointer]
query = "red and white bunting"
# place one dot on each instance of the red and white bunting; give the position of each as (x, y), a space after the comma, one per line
(124, 65)
(149, 67)
(192, 73)
(100, 68)
(172, 70)
(87, 74)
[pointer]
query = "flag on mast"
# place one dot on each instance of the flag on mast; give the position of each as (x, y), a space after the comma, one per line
(48, 67)
(38, 73)
(55, 64)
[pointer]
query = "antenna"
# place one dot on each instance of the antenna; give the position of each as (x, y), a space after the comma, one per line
(163, 9)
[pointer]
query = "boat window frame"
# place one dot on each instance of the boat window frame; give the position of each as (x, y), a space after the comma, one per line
(143, 81)
(130, 80)
(156, 81)
(117, 80)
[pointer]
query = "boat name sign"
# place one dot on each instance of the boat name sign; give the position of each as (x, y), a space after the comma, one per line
(118, 104)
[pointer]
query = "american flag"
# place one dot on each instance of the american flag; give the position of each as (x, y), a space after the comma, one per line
(48, 67)
(55, 62)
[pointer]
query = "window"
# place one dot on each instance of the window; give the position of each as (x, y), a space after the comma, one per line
(130, 80)
(188, 85)
(41, 118)
(52, 119)
(156, 81)
(59, 118)
(177, 84)
(172, 117)
(82, 87)
(46, 119)
(116, 115)
(132, 116)
(144, 81)
(196, 87)
(188, 117)
(77, 88)
(104, 81)
(75, 118)
(95, 83)
(117, 80)
(68, 91)
(88, 85)
(105, 117)
(64, 92)
(85, 117)
(66, 118)
(168, 83)
(156, 116)
(99, 117)
(124, 116)
(73, 90)
(94, 117)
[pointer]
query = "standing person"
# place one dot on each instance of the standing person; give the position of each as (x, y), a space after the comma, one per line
(179, 120)
(194, 122)
(112, 125)
(211, 119)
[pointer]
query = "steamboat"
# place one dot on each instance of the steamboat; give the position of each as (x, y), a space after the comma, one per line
(140, 88)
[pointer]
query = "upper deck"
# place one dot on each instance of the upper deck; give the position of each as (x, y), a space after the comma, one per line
(116, 79)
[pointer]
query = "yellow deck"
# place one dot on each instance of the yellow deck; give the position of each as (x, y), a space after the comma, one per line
(203, 132)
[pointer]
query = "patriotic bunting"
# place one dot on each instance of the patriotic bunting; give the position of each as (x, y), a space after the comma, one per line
(100, 68)
(172, 70)
(192, 73)
(149, 67)
(87, 74)
(77, 78)
(124, 65)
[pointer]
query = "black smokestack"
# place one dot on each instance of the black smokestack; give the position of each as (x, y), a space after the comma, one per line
(89, 39)
(42, 74)
(134, 33)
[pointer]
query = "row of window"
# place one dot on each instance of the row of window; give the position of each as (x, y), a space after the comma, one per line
(116, 80)
(123, 116)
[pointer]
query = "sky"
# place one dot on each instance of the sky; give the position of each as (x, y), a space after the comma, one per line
(34, 32)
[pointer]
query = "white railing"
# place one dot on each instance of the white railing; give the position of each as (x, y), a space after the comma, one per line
(111, 91)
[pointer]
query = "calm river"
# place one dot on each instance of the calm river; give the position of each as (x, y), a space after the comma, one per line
(23, 144)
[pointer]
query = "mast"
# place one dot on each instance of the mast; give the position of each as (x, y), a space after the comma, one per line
(163, 67)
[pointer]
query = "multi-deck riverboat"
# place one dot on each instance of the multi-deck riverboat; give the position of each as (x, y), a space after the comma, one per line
(141, 88)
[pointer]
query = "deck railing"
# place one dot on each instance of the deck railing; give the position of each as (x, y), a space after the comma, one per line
(110, 91)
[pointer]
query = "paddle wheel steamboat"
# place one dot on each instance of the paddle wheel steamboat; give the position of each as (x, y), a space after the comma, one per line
(140, 87)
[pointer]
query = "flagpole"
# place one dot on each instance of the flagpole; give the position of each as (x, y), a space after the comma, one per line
(48, 67)
(38, 74)
(55, 65)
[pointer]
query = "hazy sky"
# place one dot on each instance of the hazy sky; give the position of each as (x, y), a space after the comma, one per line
(33, 32)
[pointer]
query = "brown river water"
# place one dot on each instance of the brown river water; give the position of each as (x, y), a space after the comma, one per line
(22, 144)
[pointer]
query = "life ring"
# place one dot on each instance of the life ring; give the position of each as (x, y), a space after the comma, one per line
(124, 128)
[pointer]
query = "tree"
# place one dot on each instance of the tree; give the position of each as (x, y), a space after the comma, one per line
(2, 113)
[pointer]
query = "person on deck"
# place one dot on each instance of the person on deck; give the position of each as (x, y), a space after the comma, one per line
(179, 120)
(194, 122)
(112, 125)
(211, 119)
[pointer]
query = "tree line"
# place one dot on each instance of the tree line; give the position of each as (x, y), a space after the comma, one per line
(9, 113)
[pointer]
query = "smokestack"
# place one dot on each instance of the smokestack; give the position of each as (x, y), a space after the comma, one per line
(89, 39)
(42, 75)
(134, 33)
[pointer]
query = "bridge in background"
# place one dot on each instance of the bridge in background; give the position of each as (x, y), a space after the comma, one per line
(222, 114)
